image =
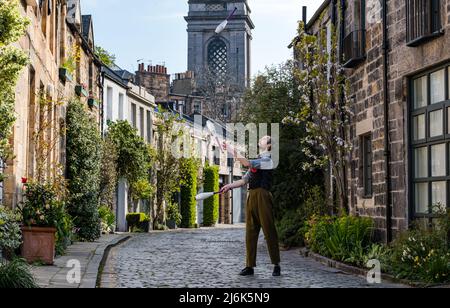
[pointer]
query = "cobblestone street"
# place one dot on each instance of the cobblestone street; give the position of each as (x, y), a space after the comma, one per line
(211, 258)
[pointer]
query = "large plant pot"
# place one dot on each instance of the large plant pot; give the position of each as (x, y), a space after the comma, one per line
(171, 224)
(38, 244)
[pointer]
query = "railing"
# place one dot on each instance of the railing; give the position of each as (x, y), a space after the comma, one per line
(354, 48)
(423, 20)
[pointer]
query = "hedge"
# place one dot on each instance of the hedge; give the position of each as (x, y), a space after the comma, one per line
(189, 170)
(211, 205)
(138, 222)
(83, 170)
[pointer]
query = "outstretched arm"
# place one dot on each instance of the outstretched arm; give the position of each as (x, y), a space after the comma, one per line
(236, 184)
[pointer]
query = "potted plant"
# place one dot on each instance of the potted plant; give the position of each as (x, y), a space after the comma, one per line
(10, 234)
(173, 216)
(92, 102)
(138, 222)
(81, 90)
(68, 67)
(41, 212)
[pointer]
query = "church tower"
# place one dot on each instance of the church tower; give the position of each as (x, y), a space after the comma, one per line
(227, 54)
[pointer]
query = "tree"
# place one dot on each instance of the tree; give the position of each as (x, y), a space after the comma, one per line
(222, 95)
(168, 176)
(12, 61)
(273, 95)
(134, 160)
(324, 106)
(108, 174)
(105, 56)
(83, 170)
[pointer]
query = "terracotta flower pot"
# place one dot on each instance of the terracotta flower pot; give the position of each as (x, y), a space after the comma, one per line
(38, 244)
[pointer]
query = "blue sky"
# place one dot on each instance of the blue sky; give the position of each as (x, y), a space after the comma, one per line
(155, 30)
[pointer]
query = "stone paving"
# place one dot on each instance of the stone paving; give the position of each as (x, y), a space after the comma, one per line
(212, 258)
(88, 255)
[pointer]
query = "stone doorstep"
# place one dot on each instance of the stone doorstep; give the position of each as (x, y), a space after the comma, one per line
(353, 270)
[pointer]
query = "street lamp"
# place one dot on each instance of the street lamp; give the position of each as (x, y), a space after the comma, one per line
(224, 24)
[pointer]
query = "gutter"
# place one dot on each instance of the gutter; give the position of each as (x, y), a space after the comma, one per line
(386, 126)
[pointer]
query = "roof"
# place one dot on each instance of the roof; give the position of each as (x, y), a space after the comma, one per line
(111, 74)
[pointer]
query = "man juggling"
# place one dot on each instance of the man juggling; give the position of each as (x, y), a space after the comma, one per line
(259, 211)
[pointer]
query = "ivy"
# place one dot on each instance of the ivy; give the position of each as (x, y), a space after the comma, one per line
(83, 170)
(108, 174)
(189, 172)
(211, 205)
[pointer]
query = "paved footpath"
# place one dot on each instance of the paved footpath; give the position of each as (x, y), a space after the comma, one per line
(89, 256)
(211, 258)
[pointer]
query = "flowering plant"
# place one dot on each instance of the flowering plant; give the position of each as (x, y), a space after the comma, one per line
(42, 207)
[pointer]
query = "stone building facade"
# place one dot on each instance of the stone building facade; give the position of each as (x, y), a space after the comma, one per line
(397, 60)
(156, 80)
(57, 31)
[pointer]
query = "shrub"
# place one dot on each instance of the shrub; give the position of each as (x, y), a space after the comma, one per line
(345, 239)
(189, 171)
(16, 275)
(173, 213)
(107, 218)
(10, 234)
(44, 208)
(138, 222)
(291, 229)
(211, 205)
(83, 171)
(421, 255)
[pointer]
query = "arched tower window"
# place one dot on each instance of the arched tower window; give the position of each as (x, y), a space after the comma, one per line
(218, 58)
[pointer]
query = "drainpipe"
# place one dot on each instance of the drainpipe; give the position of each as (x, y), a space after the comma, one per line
(386, 125)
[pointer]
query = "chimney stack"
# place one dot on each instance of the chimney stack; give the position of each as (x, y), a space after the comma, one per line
(304, 14)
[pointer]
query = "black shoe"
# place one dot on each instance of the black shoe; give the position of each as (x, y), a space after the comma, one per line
(276, 271)
(248, 271)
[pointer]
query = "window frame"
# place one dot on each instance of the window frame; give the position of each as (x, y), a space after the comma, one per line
(366, 160)
(428, 142)
(433, 33)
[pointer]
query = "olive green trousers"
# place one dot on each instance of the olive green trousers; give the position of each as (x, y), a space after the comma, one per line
(259, 214)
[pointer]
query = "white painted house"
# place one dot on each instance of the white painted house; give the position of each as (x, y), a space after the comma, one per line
(123, 100)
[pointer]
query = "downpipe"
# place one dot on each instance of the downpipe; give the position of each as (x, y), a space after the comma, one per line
(386, 125)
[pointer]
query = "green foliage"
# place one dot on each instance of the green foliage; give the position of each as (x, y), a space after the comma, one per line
(12, 61)
(272, 96)
(211, 205)
(189, 173)
(422, 254)
(106, 57)
(83, 171)
(108, 173)
(16, 275)
(44, 207)
(345, 239)
(141, 190)
(168, 176)
(173, 213)
(134, 158)
(107, 218)
(291, 226)
(137, 222)
(324, 107)
(10, 234)
(291, 229)
(12, 24)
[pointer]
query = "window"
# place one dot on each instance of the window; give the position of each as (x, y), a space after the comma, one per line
(218, 58)
(121, 104)
(430, 139)
(354, 43)
(133, 115)
(423, 19)
(197, 107)
(109, 104)
(366, 165)
(141, 122)
(149, 126)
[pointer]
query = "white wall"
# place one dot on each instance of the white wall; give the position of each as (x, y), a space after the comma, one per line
(112, 95)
